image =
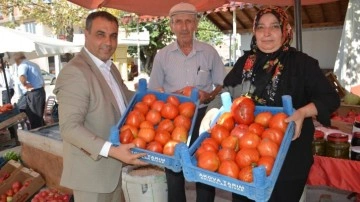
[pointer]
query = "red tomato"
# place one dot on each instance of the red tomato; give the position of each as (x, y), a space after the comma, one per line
(273, 134)
(157, 105)
(246, 174)
(169, 111)
(278, 121)
(242, 110)
(226, 154)
(208, 160)
(147, 134)
(155, 147)
(187, 90)
(263, 118)
(219, 133)
(249, 140)
(256, 128)
(267, 162)
(16, 185)
(173, 100)
(149, 99)
(243, 100)
(209, 147)
(179, 134)
(226, 119)
(142, 107)
(146, 124)
(268, 148)
(126, 136)
(167, 125)
(134, 118)
(187, 109)
(153, 116)
(162, 136)
(239, 130)
(206, 146)
(182, 120)
(139, 142)
(169, 147)
(212, 142)
(231, 142)
(229, 168)
(246, 157)
(9, 192)
(133, 129)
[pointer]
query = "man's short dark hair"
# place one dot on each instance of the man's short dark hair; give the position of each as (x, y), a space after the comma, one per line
(99, 14)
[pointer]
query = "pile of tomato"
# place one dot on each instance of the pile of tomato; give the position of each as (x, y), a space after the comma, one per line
(51, 195)
(241, 141)
(158, 125)
(6, 108)
(16, 186)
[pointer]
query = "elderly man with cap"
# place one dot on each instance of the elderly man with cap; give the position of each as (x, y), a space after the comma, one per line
(187, 62)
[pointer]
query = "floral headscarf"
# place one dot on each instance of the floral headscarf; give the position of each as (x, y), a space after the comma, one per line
(260, 71)
(280, 14)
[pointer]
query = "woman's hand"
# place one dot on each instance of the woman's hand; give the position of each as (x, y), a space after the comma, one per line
(298, 117)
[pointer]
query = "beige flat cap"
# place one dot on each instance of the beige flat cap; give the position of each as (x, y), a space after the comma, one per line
(182, 8)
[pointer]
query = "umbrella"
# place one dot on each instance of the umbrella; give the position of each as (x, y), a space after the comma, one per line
(33, 46)
(162, 7)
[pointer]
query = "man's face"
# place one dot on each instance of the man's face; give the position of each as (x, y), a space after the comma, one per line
(184, 26)
(101, 40)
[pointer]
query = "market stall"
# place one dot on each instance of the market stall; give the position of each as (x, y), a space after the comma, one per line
(10, 116)
(41, 150)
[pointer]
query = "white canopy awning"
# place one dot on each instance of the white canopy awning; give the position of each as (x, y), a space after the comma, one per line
(347, 64)
(34, 46)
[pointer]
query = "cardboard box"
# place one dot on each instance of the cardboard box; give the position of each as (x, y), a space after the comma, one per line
(34, 180)
(11, 167)
(343, 110)
(41, 150)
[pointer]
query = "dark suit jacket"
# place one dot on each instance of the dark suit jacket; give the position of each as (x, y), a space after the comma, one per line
(87, 111)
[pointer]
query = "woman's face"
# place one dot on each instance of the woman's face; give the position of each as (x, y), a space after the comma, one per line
(268, 33)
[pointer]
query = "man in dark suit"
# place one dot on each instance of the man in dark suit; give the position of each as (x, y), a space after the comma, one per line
(92, 97)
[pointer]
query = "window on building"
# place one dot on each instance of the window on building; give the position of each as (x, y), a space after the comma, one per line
(30, 27)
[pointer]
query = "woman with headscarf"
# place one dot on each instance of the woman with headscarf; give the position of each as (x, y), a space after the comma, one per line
(270, 70)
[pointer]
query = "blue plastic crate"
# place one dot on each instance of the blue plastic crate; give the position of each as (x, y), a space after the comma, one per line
(261, 188)
(6, 115)
(2, 162)
(170, 162)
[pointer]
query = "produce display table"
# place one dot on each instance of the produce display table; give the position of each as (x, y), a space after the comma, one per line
(41, 150)
(17, 118)
(8, 121)
(338, 173)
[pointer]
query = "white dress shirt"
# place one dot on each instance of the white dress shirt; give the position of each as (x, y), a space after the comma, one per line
(105, 71)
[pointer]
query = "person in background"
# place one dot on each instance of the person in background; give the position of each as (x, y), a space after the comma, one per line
(10, 83)
(187, 62)
(32, 83)
(271, 69)
(92, 97)
(133, 71)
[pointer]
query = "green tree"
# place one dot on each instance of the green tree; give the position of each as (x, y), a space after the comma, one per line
(161, 35)
(60, 15)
